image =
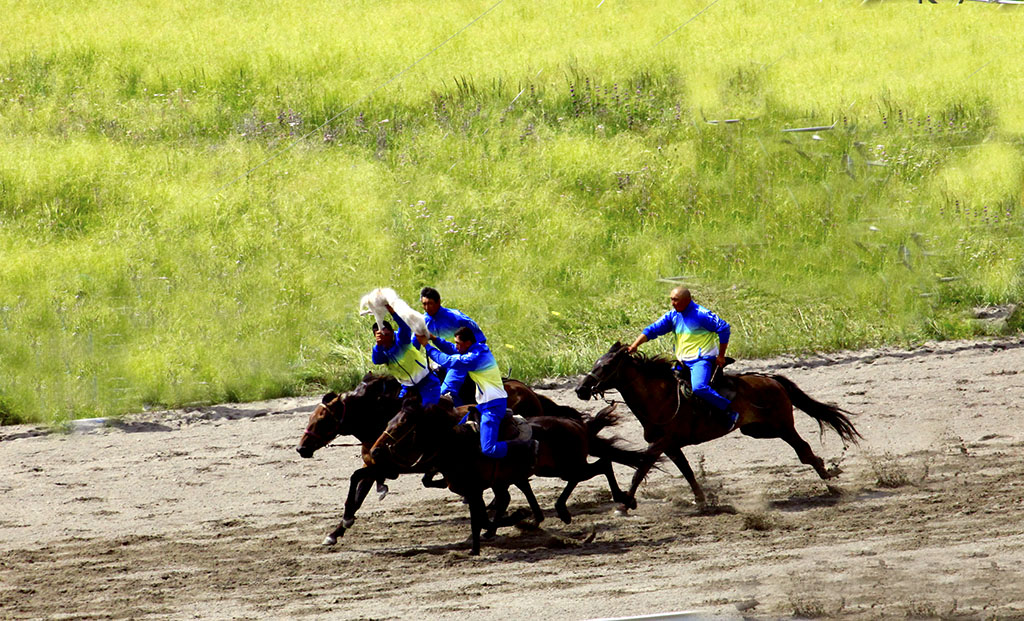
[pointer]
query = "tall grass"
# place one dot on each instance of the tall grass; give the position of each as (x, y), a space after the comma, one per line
(168, 236)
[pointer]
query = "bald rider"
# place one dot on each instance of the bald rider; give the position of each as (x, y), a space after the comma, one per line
(404, 359)
(701, 340)
(475, 360)
(443, 322)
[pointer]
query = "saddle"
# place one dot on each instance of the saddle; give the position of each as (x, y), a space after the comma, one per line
(512, 426)
(723, 384)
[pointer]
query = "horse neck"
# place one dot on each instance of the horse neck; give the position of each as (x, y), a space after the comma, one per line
(367, 424)
(640, 392)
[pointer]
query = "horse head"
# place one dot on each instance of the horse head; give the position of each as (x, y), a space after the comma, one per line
(324, 425)
(605, 373)
(399, 446)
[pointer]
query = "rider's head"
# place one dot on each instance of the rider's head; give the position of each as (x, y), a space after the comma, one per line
(430, 299)
(680, 298)
(384, 335)
(464, 339)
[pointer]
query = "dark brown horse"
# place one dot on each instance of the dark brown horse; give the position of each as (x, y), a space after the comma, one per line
(670, 421)
(566, 441)
(364, 413)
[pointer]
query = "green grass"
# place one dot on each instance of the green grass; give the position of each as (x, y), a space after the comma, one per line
(167, 236)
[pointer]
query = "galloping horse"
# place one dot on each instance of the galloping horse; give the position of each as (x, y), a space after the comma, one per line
(364, 413)
(455, 451)
(565, 441)
(671, 421)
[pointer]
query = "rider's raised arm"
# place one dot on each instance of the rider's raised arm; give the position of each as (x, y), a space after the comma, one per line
(462, 362)
(404, 334)
(378, 355)
(446, 347)
(662, 326)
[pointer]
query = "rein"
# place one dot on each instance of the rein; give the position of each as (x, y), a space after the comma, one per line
(653, 421)
(312, 434)
(393, 444)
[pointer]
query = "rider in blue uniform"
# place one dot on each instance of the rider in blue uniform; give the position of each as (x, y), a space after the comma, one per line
(701, 340)
(404, 359)
(443, 322)
(475, 360)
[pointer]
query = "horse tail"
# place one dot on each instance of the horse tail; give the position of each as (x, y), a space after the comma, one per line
(550, 408)
(836, 417)
(609, 448)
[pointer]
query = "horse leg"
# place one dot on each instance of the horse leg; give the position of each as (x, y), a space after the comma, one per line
(430, 481)
(499, 505)
(806, 455)
(677, 457)
(651, 455)
(601, 466)
(527, 490)
(477, 520)
(605, 466)
(560, 508)
(358, 488)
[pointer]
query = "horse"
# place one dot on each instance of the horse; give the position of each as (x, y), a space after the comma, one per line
(565, 441)
(364, 413)
(457, 456)
(671, 421)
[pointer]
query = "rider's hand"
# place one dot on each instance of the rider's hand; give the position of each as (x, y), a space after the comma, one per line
(720, 361)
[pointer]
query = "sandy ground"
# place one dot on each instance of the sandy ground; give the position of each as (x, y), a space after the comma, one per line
(209, 513)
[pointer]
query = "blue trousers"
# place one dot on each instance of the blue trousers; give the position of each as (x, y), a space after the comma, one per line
(453, 381)
(700, 375)
(428, 387)
(491, 414)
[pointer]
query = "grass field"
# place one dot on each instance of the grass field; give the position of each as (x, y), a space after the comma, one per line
(193, 197)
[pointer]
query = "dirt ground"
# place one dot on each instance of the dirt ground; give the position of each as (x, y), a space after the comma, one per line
(209, 513)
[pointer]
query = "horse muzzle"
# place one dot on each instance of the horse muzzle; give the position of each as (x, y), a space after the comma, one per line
(304, 451)
(584, 393)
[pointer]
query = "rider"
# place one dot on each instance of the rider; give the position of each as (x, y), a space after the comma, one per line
(701, 341)
(475, 360)
(443, 322)
(404, 359)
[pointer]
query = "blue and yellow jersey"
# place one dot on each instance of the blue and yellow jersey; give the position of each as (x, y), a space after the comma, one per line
(446, 321)
(405, 359)
(698, 332)
(478, 362)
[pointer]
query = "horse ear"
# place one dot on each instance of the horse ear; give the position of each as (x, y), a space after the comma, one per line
(331, 396)
(616, 346)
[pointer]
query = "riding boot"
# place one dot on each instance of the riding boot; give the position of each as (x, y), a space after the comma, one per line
(683, 379)
(524, 451)
(729, 418)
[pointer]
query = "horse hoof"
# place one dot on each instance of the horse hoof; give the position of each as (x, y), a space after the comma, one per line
(348, 522)
(622, 510)
(382, 491)
(328, 541)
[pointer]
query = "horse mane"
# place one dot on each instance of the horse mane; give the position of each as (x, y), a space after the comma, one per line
(658, 366)
(376, 378)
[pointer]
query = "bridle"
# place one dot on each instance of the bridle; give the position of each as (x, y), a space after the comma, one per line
(598, 381)
(390, 442)
(614, 371)
(313, 434)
